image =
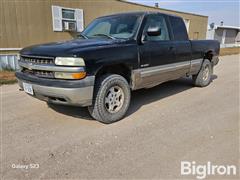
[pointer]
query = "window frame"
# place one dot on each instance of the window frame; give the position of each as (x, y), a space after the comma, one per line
(58, 20)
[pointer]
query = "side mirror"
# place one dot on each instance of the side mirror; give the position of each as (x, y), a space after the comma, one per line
(154, 31)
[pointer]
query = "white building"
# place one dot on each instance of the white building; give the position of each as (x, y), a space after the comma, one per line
(228, 36)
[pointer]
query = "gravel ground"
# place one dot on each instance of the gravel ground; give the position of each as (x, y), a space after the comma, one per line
(165, 125)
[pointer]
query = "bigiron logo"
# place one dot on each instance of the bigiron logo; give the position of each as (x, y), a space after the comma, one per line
(201, 171)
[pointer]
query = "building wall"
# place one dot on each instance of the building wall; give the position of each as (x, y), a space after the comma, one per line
(218, 35)
(231, 35)
(210, 34)
(238, 37)
(23, 23)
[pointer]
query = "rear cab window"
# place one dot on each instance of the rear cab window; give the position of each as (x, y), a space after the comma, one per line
(178, 29)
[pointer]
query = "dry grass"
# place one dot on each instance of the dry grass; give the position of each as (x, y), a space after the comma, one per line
(7, 77)
(229, 51)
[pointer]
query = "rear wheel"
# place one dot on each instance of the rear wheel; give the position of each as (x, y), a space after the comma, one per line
(111, 98)
(203, 78)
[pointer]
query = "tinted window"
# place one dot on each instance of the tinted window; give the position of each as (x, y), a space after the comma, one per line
(157, 21)
(121, 26)
(179, 29)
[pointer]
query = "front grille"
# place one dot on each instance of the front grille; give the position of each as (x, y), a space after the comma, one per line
(37, 59)
(39, 73)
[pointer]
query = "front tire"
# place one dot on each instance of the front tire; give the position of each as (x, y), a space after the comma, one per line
(203, 78)
(111, 98)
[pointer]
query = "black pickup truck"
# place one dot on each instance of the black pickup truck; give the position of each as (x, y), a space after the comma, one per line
(112, 56)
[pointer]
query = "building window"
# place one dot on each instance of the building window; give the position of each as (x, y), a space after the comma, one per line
(67, 19)
(68, 14)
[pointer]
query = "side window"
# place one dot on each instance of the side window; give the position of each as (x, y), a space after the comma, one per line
(156, 21)
(179, 29)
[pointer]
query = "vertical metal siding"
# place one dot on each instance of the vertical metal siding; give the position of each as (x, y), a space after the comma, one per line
(231, 36)
(23, 23)
(8, 62)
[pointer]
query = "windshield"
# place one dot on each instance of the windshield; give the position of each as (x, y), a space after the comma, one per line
(114, 27)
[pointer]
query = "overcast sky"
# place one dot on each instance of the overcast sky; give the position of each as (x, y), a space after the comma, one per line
(216, 10)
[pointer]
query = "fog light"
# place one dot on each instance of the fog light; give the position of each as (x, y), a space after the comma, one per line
(64, 75)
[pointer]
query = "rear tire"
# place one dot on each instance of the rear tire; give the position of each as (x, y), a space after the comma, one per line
(111, 98)
(203, 78)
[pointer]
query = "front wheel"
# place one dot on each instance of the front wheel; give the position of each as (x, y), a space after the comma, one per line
(111, 99)
(203, 78)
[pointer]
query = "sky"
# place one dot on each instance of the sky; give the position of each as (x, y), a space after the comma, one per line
(227, 11)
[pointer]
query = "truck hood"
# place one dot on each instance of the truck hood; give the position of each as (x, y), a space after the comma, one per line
(67, 48)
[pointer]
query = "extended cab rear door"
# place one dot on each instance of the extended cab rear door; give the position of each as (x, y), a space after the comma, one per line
(181, 42)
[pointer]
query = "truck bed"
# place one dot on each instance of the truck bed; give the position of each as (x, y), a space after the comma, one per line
(200, 47)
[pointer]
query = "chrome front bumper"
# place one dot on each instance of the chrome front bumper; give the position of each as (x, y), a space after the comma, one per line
(79, 95)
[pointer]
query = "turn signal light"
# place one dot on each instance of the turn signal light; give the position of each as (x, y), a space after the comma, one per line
(67, 75)
(79, 75)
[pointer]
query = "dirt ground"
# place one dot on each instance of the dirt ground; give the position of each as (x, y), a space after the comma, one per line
(7, 77)
(165, 125)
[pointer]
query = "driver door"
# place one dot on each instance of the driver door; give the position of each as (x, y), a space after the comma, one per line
(156, 52)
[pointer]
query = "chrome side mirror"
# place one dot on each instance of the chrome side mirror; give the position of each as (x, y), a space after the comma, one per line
(154, 31)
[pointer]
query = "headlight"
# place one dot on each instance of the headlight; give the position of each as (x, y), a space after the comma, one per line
(69, 61)
(67, 75)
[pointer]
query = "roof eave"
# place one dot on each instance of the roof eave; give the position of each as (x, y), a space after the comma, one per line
(157, 8)
(228, 27)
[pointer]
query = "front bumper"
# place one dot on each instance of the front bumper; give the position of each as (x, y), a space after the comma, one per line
(66, 92)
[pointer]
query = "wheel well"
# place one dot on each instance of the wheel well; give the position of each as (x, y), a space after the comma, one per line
(208, 55)
(119, 69)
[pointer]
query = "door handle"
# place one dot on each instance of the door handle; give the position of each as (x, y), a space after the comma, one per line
(171, 48)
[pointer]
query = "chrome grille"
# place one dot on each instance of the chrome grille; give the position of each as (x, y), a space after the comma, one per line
(39, 73)
(37, 59)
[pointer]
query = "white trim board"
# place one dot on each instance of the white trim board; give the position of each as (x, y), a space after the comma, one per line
(10, 49)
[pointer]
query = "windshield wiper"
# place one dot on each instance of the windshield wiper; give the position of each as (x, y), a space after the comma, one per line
(105, 36)
(81, 35)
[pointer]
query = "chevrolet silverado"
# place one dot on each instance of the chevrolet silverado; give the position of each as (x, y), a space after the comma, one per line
(114, 55)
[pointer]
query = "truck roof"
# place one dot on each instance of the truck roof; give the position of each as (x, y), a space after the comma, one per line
(139, 13)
